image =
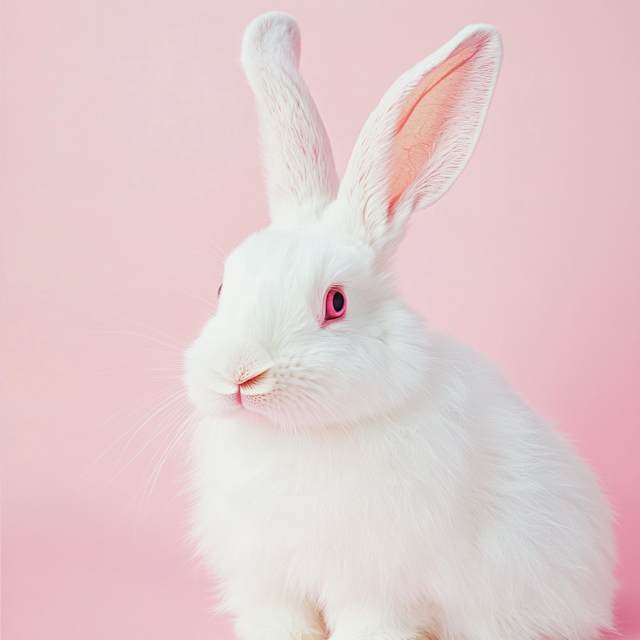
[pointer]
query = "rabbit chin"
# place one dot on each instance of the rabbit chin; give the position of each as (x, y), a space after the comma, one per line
(266, 410)
(245, 408)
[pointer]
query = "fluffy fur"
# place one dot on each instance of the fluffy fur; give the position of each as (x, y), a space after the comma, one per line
(366, 480)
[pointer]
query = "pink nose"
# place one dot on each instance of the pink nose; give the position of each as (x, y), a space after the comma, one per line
(249, 381)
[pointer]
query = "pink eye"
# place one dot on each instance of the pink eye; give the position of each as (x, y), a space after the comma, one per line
(335, 304)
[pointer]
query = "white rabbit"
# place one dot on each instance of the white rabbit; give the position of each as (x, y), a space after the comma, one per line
(354, 476)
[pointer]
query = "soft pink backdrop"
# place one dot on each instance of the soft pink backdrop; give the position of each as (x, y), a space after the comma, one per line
(130, 165)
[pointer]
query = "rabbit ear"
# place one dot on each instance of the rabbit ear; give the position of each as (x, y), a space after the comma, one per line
(301, 178)
(419, 138)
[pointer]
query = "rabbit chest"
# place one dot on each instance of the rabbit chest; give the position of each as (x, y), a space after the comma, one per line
(325, 510)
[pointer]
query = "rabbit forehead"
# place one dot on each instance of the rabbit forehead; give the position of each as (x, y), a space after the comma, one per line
(296, 262)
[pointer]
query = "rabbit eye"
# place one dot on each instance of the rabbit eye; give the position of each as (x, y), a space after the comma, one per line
(335, 304)
(219, 290)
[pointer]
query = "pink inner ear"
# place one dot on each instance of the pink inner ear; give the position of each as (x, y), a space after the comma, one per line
(424, 115)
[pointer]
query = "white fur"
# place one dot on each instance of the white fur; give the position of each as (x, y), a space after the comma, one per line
(380, 482)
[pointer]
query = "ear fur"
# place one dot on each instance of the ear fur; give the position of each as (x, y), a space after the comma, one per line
(419, 138)
(301, 178)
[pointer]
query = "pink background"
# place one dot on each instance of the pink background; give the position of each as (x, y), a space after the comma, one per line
(131, 165)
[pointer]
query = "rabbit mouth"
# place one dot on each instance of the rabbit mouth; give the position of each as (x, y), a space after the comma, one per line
(256, 403)
(241, 400)
(246, 387)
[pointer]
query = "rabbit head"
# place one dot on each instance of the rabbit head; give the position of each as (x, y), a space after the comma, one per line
(308, 330)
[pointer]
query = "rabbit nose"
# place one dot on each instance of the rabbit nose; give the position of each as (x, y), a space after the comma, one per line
(245, 364)
(252, 379)
(255, 383)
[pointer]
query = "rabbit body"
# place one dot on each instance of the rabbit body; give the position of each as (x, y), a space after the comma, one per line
(354, 476)
(462, 515)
